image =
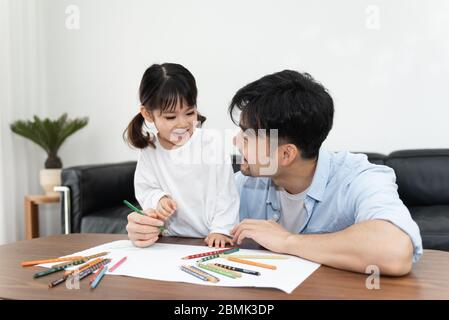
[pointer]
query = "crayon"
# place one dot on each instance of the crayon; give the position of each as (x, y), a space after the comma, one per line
(211, 253)
(216, 270)
(115, 266)
(98, 278)
(255, 273)
(252, 263)
(36, 262)
(193, 273)
(256, 256)
(129, 205)
(210, 277)
(47, 272)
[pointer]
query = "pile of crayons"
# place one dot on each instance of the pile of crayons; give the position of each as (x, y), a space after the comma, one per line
(201, 269)
(95, 265)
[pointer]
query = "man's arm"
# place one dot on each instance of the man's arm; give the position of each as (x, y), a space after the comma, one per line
(374, 242)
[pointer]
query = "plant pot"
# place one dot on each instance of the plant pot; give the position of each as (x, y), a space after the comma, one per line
(50, 178)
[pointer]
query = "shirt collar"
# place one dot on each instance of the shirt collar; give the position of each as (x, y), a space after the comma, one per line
(272, 197)
(318, 185)
(321, 176)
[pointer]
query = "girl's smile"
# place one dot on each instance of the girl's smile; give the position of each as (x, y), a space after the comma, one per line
(180, 136)
(176, 126)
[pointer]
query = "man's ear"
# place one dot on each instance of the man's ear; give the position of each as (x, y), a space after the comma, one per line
(288, 153)
(147, 115)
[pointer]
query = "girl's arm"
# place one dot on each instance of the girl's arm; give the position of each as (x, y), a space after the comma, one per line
(147, 188)
(226, 214)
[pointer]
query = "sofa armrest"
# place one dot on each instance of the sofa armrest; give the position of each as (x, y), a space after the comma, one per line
(97, 187)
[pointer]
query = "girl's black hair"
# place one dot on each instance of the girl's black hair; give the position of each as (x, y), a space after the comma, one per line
(161, 87)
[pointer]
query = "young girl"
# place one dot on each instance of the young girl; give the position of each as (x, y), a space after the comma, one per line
(193, 199)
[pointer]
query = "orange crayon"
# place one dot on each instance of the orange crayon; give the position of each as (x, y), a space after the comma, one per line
(85, 267)
(252, 263)
(36, 262)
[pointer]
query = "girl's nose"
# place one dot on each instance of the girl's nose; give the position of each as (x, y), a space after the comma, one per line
(184, 122)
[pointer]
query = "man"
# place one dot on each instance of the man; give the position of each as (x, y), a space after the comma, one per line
(336, 209)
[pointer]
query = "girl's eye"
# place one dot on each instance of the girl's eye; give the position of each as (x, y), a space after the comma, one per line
(170, 118)
(191, 113)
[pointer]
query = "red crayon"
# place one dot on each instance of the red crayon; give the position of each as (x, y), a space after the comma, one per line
(199, 255)
(115, 266)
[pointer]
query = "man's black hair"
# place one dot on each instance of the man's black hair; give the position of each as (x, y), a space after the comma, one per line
(294, 103)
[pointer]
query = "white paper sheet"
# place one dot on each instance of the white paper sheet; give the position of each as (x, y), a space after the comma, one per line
(162, 261)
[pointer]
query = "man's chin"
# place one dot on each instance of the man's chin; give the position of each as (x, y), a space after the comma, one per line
(245, 170)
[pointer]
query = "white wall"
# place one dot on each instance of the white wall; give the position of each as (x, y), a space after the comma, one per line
(388, 76)
(22, 94)
(390, 84)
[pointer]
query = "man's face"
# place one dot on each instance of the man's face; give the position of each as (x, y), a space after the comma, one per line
(255, 150)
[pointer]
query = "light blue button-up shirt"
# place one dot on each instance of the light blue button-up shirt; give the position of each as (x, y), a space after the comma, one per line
(346, 189)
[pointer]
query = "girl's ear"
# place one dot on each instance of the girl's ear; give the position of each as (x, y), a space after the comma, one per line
(147, 115)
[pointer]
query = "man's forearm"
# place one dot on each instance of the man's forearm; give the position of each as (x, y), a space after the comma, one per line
(375, 242)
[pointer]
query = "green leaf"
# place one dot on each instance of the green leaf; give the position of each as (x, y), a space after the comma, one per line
(48, 134)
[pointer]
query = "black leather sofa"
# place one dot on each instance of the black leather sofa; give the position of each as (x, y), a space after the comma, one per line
(97, 192)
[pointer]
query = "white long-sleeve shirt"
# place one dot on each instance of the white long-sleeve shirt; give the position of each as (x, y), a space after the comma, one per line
(205, 193)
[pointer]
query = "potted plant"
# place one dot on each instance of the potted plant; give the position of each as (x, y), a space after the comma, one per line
(50, 135)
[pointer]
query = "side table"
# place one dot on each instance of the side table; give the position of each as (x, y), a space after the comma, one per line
(32, 203)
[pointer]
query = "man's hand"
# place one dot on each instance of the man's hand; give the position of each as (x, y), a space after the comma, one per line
(267, 233)
(218, 240)
(165, 208)
(143, 231)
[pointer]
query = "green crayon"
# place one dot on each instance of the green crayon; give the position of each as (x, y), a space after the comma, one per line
(129, 205)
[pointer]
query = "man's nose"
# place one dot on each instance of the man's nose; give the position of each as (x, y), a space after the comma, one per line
(237, 140)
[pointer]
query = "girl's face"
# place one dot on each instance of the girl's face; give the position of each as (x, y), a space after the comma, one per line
(175, 127)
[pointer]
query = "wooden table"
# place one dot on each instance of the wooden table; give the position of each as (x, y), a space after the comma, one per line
(428, 280)
(32, 213)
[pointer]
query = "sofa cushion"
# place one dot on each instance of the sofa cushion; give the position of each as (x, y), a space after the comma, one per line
(97, 187)
(433, 222)
(110, 220)
(422, 176)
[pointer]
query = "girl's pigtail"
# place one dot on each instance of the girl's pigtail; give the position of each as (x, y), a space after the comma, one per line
(200, 118)
(134, 134)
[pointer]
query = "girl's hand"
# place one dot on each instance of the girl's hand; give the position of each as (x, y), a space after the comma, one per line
(143, 231)
(165, 208)
(218, 240)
